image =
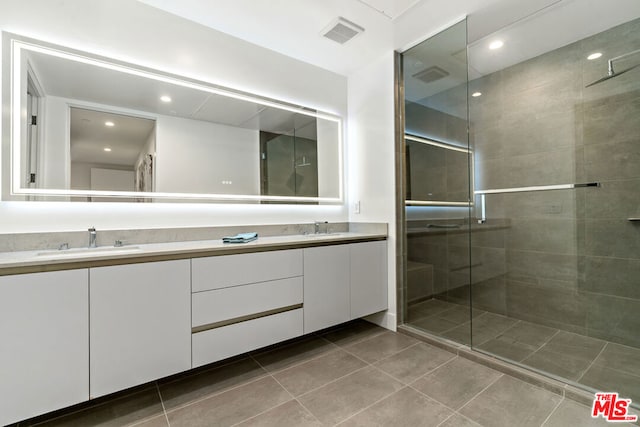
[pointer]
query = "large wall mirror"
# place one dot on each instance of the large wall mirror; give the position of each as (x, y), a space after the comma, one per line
(87, 128)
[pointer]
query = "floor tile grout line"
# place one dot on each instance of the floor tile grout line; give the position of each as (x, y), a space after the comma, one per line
(276, 406)
(220, 364)
(419, 377)
(386, 357)
(593, 362)
(395, 354)
(431, 398)
(446, 419)
(333, 381)
(552, 411)
(429, 372)
(542, 345)
(297, 400)
(371, 405)
(482, 391)
(217, 393)
(301, 362)
(469, 419)
(164, 410)
(360, 340)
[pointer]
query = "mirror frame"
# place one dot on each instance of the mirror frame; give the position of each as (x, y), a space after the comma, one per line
(13, 115)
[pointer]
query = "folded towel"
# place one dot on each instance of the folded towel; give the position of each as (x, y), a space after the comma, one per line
(240, 238)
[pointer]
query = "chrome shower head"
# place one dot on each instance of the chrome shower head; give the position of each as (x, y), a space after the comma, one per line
(611, 72)
(611, 75)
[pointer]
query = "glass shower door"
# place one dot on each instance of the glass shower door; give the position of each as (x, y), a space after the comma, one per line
(555, 241)
(437, 158)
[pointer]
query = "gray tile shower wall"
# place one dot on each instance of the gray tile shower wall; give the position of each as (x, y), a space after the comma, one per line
(572, 259)
(567, 259)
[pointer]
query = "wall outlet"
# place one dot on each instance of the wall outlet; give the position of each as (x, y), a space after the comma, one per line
(356, 207)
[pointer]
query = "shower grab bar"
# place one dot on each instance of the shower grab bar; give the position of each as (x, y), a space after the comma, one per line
(443, 225)
(537, 188)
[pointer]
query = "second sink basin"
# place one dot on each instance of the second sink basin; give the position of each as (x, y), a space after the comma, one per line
(323, 235)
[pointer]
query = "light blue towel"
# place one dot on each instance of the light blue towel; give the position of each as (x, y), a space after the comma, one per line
(240, 238)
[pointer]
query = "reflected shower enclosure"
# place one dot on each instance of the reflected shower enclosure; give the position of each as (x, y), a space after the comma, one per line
(541, 266)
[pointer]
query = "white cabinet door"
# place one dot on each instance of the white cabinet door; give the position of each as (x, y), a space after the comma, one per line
(326, 287)
(44, 343)
(140, 327)
(368, 278)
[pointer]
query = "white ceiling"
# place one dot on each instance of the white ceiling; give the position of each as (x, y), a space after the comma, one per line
(294, 27)
(89, 136)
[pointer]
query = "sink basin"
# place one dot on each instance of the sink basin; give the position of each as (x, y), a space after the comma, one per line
(323, 235)
(81, 252)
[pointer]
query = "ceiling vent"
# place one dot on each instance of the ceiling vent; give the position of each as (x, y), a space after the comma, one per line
(342, 30)
(431, 74)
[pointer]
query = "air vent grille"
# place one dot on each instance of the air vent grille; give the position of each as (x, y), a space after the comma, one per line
(431, 74)
(342, 30)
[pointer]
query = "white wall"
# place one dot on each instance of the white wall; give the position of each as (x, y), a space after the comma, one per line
(371, 150)
(328, 163)
(133, 32)
(55, 143)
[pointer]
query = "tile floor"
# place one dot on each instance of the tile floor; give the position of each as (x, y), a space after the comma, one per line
(354, 375)
(599, 364)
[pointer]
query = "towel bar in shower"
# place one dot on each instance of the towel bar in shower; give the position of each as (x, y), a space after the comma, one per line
(483, 193)
(538, 188)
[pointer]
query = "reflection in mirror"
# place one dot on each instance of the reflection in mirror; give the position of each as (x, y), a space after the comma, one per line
(436, 173)
(437, 146)
(111, 151)
(107, 130)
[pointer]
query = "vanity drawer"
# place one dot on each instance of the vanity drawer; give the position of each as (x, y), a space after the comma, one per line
(232, 303)
(220, 343)
(232, 270)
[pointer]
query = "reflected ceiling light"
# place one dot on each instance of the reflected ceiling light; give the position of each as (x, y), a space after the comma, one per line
(165, 98)
(497, 44)
(109, 124)
(593, 56)
(107, 149)
(476, 94)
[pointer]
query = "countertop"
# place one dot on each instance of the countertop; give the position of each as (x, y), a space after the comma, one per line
(20, 262)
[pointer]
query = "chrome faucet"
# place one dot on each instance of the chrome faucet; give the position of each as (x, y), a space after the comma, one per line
(92, 237)
(316, 227)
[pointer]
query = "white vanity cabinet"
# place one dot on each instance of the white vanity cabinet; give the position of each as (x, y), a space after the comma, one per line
(343, 282)
(140, 323)
(326, 287)
(368, 278)
(245, 302)
(44, 346)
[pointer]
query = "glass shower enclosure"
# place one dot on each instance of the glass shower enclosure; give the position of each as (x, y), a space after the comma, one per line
(522, 194)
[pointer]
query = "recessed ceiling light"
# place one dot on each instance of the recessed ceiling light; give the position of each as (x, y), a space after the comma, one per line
(476, 94)
(594, 55)
(109, 124)
(497, 44)
(107, 149)
(165, 98)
